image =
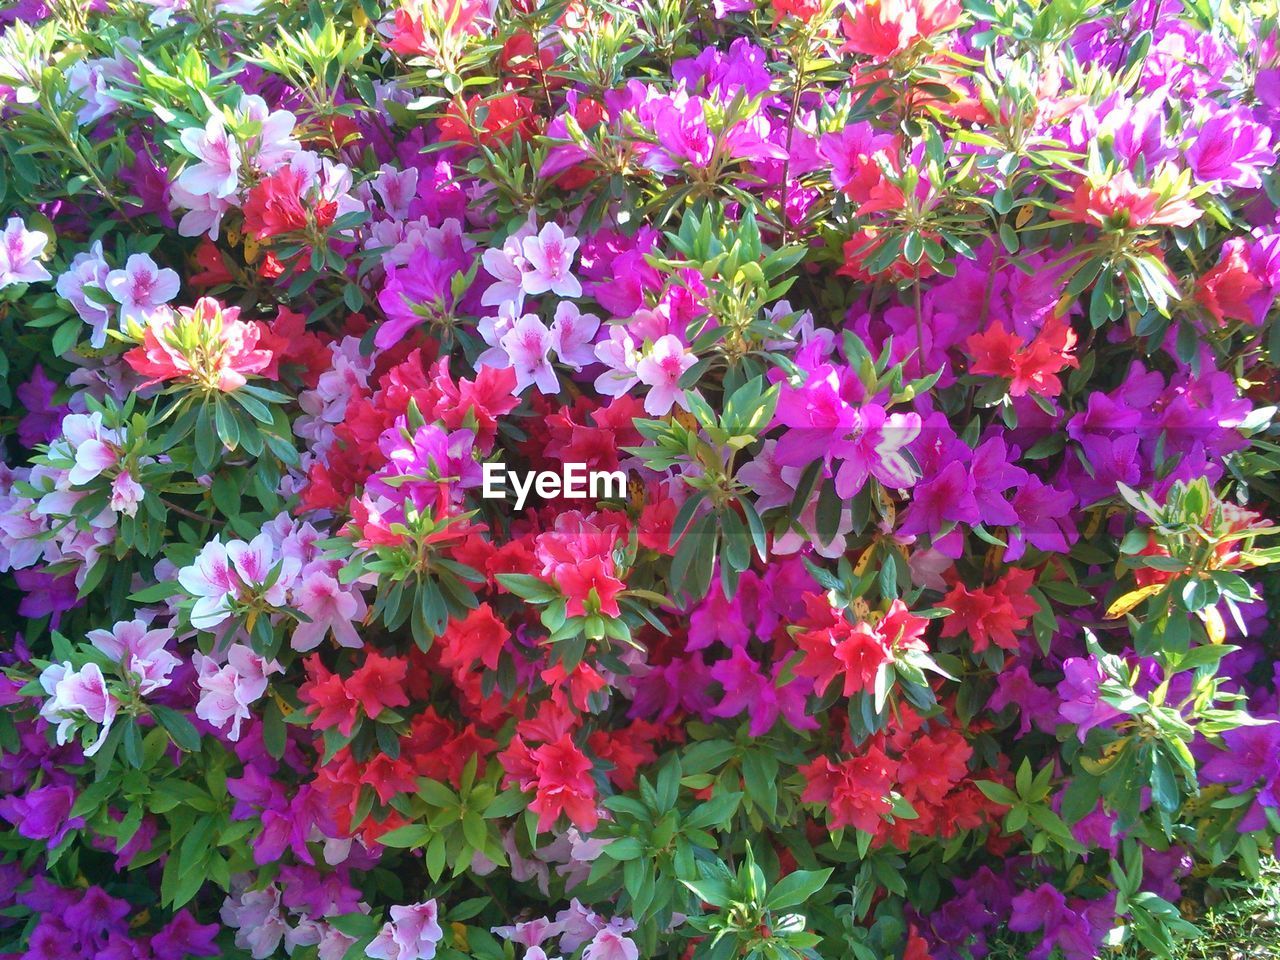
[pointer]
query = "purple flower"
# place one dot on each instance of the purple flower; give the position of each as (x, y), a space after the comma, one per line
(1081, 703)
(1230, 150)
(43, 813)
(43, 420)
(1251, 755)
(1045, 909)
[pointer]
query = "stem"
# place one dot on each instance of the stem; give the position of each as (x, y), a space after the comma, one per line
(801, 61)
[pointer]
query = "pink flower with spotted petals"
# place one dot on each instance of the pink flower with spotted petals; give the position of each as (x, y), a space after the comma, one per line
(528, 346)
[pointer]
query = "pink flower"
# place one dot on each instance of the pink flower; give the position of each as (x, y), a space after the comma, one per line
(126, 494)
(88, 269)
(141, 287)
(527, 345)
(216, 173)
(411, 934)
(620, 354)
(550, 256)
(609, 944)
(507, 267)
(572, 335)
(226, 348)
(19, 248)
(227, 691)
(75, 695)
(204, 212)
(330, 607)
(210, 580)
(661, 369)
(93, 445)
(140, 650)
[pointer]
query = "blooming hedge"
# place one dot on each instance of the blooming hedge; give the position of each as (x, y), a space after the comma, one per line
(932, 344)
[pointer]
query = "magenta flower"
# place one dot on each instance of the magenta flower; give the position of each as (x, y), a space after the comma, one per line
(1082, 705)
(1230, 150)
(19, 248)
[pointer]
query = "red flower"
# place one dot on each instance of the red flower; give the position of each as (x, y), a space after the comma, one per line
(327, 699)
(277, 205)
(1232, 290)
(477, 639)
(855, 793)
(885, 28)
(991, 614)
(379, 684)
(563, 785)
(804, 10)
(496, 120)
(1030, 368)
(854, 651)
(1120, 203)
(577, 580)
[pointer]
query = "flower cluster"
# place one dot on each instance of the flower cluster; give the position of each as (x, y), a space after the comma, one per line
(929, 351)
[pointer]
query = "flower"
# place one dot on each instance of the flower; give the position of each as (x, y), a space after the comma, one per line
(227, 691)
(1082, 704)
(88, 269)
(225, 348)
(216, 172)
(411, 934)
(76, 695)
(549, 260)
(660, 368)
(19, 250)
(140, 650)
(527, 346)
(141, 288)
(329, 608)
(1119, 203)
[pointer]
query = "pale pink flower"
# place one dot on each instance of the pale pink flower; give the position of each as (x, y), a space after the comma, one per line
(507, 267)
(609, 944)
(88, 269)
(330, 607)
(257, 918)
(580, 924)
(527, 345)
(19, 248)
(550, 257)
(397, 188)
(204, 211)
(126, 494)
(76, 695)
(211, 581)
(93, 446)
(227, 691)
(140, 650)
(661, 369)
(141, 288)
(412, 934)
(274, 143)
(217, 171)
(620, 354)
(573, 334)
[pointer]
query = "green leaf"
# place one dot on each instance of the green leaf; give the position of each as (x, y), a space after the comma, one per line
(180, 729)
(797, 888)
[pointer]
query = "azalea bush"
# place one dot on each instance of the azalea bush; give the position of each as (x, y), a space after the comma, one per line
(928, 348)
